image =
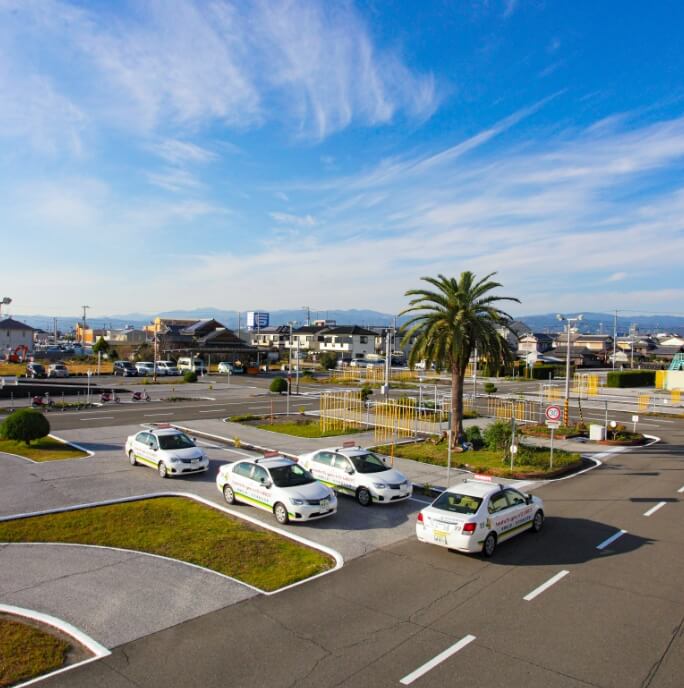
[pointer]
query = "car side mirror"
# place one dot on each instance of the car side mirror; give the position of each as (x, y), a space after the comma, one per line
(266, 483)
(528, 499)
(350, 470)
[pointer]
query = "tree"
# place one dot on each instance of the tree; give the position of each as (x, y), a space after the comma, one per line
(25, 425)
(101, 346)
(449, 324)
(145, 352)
(279, 385)
(328, 360)
(490, 388)
(190, 376)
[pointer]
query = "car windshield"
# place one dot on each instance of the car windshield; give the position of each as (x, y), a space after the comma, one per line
(368, 463)
(175, 441)
(457, 503)
(126, 365)
(289, 476)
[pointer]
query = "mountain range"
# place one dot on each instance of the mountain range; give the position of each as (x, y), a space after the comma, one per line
(591, 322)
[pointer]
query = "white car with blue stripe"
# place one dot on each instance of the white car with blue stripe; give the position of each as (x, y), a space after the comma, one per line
(359, 473)
(170, 451)
(277, 484)
(475, 516)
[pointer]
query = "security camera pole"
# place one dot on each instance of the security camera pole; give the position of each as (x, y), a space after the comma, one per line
(566, 406)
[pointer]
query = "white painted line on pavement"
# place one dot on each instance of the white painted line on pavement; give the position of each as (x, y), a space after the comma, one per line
(212, 410)
(611, 539)
(681, 489)
(98, 418)
(655, 508)
(420, 671)
(150, 415)
(544, 586)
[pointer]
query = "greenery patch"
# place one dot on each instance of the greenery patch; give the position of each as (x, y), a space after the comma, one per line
(26, 652)
(45, 449)
(181, 529)
(305, 428)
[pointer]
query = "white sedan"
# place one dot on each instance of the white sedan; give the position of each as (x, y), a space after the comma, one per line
(279, 485)
(359, 473)
(168, 450)
(474, 516)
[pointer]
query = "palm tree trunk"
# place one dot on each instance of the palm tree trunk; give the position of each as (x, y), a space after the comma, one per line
(456, 405)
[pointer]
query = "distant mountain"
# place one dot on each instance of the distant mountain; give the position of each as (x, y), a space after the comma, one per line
(591, 322)
(604, 322)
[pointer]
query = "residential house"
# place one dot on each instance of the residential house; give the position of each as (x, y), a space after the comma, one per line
(272, 338)
(88, 335)
(512, 331)
(128, 335)
(534, 343)
(580, 356)
(350, 341)
(14, 334)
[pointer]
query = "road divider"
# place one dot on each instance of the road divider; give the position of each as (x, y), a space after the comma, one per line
(655, 508)
(545, 586)
(611, 539)
(422, 670)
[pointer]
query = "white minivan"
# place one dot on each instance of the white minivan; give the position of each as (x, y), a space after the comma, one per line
(195, 364)
(167, 368)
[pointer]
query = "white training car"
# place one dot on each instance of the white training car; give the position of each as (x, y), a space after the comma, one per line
(358, 472)
(168, 450)
(475, 515)
(279, 485)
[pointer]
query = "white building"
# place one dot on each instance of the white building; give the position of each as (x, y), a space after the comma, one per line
(14, 334)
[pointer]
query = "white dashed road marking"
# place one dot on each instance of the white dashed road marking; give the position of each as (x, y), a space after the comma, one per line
(655, 508)
(544, 586)
(611, 539)
(420, 671)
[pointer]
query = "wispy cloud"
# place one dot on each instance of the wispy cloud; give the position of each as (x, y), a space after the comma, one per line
(311, 65)
(293, 220)
(180, 152)
(173, 179)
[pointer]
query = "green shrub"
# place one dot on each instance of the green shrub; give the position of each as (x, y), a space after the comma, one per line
(631, 378)
(498, 435)
(545, 371)
(190, 376)
(25, 425)
(279, 385)
(328, 360)
(366, 391)
(474, 436)
(490, 388)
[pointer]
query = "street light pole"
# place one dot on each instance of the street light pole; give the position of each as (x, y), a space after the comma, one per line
(566, 406)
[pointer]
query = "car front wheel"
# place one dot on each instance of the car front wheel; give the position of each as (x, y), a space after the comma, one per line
(489, 545)
(163, 471)
(131, 458)
(538, 521)
(280, 513)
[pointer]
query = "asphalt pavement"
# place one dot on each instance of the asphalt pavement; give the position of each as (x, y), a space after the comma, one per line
(556, 609)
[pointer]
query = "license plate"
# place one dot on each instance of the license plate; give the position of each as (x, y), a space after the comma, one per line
(439, 536)
(324, 504)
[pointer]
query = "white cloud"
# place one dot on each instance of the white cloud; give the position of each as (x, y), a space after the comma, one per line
(179, 152)
(187, 64)
(173, 179)
(293, 220)
(617, 277)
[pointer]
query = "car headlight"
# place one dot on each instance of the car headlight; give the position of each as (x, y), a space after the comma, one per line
(173, 459)
(380, 486)
(296, 501)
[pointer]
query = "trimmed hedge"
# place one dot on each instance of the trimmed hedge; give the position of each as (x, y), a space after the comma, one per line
(546, 371)
(631, 378)
(25, 425)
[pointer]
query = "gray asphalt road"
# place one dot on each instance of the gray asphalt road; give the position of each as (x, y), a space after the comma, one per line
(614, 619)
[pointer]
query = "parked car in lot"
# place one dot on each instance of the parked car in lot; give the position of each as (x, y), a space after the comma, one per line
(226, 368)
(124, 368)
(375, 363)
(57, 370)
(168, 450)
(355, 471)
(145, 368)
(279, 485)
(358, 363)
(475, 516)
(197, 365)
(167, 368)
(35, 370)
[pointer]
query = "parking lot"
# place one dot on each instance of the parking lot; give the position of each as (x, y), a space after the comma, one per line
(398, 611)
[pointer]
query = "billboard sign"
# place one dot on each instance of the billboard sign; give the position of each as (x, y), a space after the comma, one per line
(257, 320)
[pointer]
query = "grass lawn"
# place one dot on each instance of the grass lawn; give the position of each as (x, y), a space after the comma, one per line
(529, 460)
(26, 652)
(182, 529)
(305, 429)
(46, 449)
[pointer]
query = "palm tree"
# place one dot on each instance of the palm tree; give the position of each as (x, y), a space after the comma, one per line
(459, 317)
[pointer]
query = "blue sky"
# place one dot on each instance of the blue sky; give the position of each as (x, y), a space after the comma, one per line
(263, 155)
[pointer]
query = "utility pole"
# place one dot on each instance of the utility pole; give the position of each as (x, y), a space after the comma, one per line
(308, 315)
(615, 338)
(85, 308)
(566, 407)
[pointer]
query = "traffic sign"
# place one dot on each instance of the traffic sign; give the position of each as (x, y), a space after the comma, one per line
(553, 424)
(553, 413)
